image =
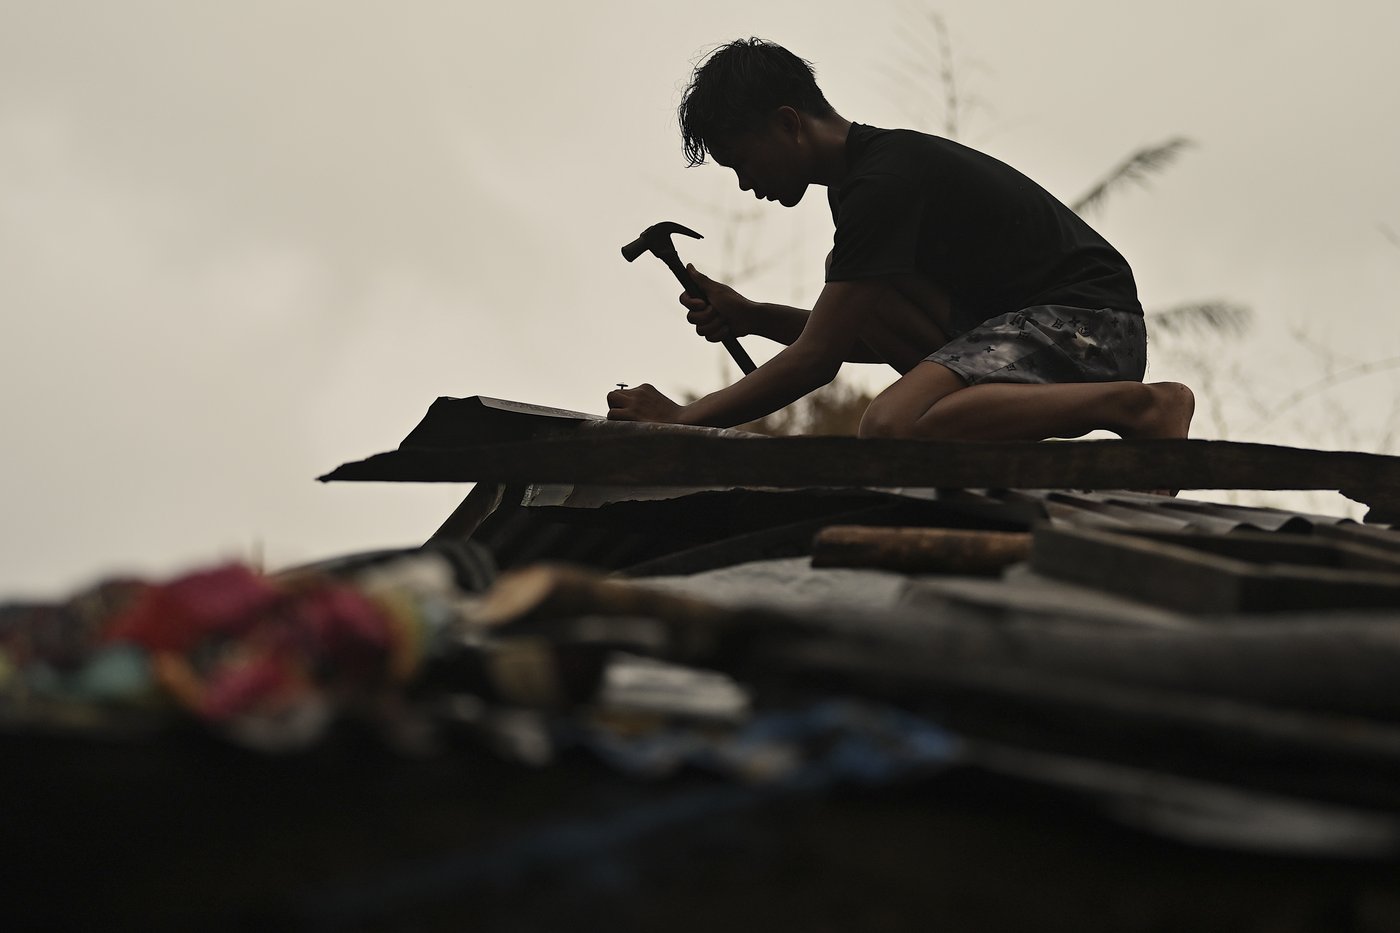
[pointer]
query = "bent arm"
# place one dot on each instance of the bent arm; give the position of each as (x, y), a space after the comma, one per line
(784, 325)
(829, 336)
(778, 323)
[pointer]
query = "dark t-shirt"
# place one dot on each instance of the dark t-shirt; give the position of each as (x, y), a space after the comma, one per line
(994, 239)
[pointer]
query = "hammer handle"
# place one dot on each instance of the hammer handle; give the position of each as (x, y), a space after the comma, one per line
(740, 355)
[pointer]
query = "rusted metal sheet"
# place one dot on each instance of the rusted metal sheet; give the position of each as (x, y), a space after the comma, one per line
(1236, 516)
(480, 419)
(1371, 536)
(1084, 510)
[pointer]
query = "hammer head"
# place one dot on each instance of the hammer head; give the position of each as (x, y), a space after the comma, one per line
(656, 239)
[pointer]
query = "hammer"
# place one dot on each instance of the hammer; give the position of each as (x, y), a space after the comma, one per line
(656, 240)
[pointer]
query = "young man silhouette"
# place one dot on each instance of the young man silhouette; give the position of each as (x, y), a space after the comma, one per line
(1007, 316)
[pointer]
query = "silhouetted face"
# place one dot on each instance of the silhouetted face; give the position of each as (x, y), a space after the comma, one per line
(766, 161)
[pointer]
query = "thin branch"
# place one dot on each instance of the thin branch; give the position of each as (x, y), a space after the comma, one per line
(752, 268)
(1332, 380)
(949, 77)
(917, 42)
(1387, 441)
(927, 56)
(902, 77)
(1135, 169)
(1212, 316)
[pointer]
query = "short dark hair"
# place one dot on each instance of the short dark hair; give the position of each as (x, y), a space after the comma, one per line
(737, 86)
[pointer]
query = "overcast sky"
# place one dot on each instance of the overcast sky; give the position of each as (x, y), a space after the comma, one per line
(241, 243)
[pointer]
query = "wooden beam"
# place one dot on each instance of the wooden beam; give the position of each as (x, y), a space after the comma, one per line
(1168, 572)
(704, 459)
(920, 550)
(484, 499)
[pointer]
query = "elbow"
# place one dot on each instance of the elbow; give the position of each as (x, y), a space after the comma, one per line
(812, 366)
(819, 371)
(823, 375)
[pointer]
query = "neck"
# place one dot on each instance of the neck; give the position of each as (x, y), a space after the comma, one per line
(829, 148)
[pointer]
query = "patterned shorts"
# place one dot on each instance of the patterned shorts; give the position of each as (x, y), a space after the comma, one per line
(1050, 343)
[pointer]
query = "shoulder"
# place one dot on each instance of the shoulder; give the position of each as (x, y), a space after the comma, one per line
(881, 160)
(883, 166)
(872, 150)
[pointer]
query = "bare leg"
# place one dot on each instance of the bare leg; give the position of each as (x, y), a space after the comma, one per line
(931, 401)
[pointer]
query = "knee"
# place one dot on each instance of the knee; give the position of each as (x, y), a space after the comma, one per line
(884, 421)
(890, 422)
(914, 407)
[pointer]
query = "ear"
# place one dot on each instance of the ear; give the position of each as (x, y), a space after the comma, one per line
(787, 121)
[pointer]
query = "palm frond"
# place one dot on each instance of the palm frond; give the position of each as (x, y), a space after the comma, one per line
(1135, 169)
(1212, 317)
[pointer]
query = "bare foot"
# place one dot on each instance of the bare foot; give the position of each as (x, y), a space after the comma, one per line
(1167, 413)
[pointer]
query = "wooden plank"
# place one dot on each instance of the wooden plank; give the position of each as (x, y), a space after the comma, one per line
(1260, 547)
(702, 458)
(484, 499)
(1160, 574)
(1192, 579)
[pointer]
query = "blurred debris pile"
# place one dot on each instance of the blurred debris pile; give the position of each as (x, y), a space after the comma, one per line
(755, 706)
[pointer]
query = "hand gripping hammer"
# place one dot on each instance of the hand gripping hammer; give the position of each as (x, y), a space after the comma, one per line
(656, 240)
